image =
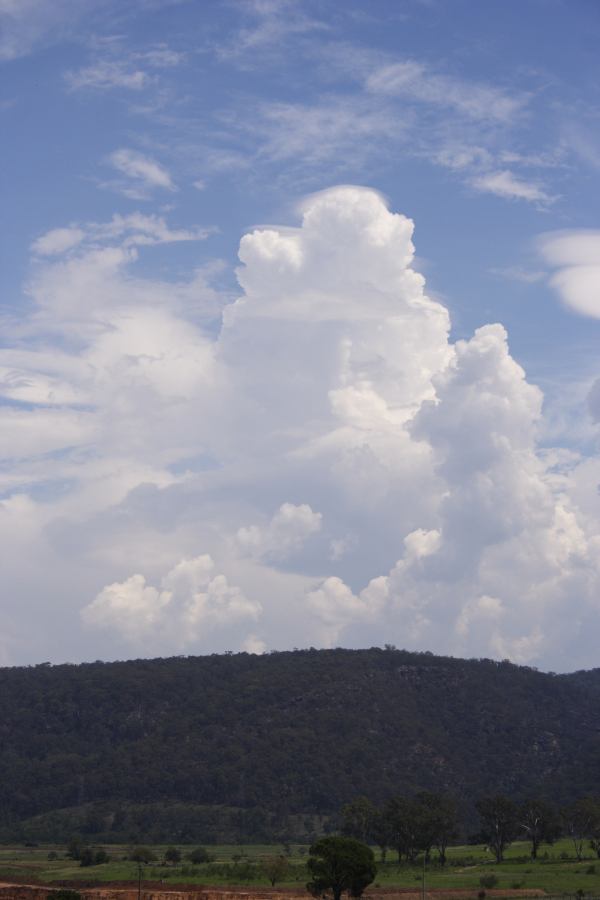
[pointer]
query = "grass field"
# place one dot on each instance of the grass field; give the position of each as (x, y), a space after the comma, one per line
(556, 871)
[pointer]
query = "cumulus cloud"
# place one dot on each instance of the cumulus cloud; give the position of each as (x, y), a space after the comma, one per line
(190, 605)
(576, 257)
(287, 531)
(412, 502)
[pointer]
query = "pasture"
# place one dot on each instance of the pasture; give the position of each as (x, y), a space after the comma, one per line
(556, 871)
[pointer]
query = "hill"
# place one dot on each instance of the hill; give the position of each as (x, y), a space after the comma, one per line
(264, 747)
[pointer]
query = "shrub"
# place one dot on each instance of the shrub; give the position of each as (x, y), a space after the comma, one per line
(172, 855)
(142, 854)
(87, 857)
(488, 881)
(591, 870)
(199, 856)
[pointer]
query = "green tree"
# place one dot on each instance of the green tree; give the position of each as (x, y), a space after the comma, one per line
(539, 823)
(142, 855)
(87, 857)
(172, 855)
(199, 855)
(338, 864)
(437, 824)
(382, 833)
(595, 828)
(499, 821)
(75, 846)
(581, 820)
(358, 819)
(402, 817)
(276, 868)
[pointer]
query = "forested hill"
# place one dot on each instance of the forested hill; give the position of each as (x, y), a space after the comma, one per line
(265, 744)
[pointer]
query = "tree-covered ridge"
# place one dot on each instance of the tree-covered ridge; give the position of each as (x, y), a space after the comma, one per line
(289, 734)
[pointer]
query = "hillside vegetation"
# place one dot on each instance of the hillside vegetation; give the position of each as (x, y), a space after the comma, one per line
(242, 747)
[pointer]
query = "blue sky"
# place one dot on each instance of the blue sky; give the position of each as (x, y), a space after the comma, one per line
(302, 445)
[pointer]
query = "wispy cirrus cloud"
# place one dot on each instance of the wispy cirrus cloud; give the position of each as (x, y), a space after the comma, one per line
(417, 81)
(506, 184)
(117, 67)
(268, 24)
(107, 75)
(134, 230)
(144, 174)
(27, 24)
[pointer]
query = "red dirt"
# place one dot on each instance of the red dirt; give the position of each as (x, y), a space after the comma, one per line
(153, 891)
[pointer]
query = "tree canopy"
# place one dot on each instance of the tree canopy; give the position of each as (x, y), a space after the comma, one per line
(240, 747)
(340, 864)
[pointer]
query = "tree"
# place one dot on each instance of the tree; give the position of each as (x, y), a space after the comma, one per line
(339, 864)
(437, 822)
(539, 822)
(358, 819)
(382, 833)
(581, 820)
(499, 823)
(75, 846)
(142, 855)
(172, 855)
(199, 855)
(409, 824)
(87, 857)
(275, 868)
(595, 828)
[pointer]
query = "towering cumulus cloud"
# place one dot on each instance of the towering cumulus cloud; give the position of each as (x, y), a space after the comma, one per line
(351, 475)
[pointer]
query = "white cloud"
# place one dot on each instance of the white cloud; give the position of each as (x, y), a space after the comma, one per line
(423, 511)
(141, 169)
(160, 56)
(116, 67)
(576, 255)
(270, 23)
(285, 534)
(26, 24)
(517, 273)
(345, 130)
(58, 241)
(416, 80)
(133, 230)
(505, 184)
(107, 75)
(254, 645)
(191, 604)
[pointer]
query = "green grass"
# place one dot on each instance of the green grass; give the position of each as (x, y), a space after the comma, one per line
(556, 871)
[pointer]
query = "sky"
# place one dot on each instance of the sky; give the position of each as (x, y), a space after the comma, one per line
(299, 323)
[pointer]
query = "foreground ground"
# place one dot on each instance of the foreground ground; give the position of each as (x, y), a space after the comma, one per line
(469, 868)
